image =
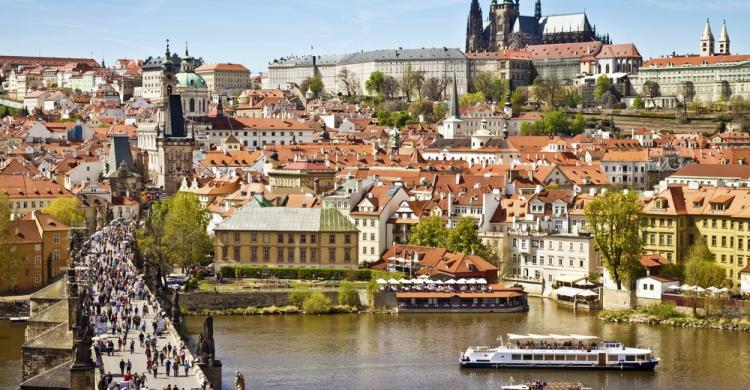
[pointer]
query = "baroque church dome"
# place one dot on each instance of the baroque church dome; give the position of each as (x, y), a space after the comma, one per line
(190, 80)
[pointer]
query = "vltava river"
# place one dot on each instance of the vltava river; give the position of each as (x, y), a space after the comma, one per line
(420, 351)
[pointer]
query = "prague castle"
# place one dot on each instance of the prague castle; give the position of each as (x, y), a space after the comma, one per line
(506, 28)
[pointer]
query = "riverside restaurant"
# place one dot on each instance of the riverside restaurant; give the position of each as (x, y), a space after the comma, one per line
(456, 298)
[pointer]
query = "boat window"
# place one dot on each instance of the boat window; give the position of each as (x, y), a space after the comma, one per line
(630, 358)
(549, 357)
(641, 357)
(648, 356)
(593, 358)
(516, 357)
(526, 357)
(538, 357)
(581, 358)
(612, 358)
(559, 357)
(570, 357)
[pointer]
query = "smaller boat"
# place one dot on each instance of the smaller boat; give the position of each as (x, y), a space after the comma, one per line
(19, 319)
(544, 385)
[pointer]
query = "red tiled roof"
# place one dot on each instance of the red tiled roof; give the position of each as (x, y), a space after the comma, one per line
(625, 50)
(564, 50)
(225, 67)
(694, 60)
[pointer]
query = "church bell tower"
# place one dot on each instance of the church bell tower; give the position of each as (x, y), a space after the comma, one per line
(504, 14)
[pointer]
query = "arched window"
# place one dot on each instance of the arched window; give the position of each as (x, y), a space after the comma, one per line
(607, 68)
(192, 105)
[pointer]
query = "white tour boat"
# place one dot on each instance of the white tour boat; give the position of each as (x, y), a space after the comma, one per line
(574, 352)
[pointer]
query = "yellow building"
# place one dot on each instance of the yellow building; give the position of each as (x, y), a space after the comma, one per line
(680, 216)
(287, 237)
(27, 194)
(225, 78)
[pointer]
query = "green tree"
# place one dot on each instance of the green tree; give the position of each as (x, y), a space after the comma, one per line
(602, 85)
(412, 81)
(557, 122)
(701, 268)
(433, 88)
(375, 83)
(548, 91)
(616, 220)
(9, 264)
(471, 99)
(651, 90)
(532, 128)
(464, 238)
(638, 103)
(185, 232)
(348, 294)
(67, 210)
(349, 81)
(516, 100)
(317, 303)
(314, 84)
(490, 85)
(579, 124)
(430, 232)
(150, 238)
(299, 294)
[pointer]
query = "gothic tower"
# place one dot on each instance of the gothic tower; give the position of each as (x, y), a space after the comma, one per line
(504, 15)
(174, 146)
(707, 41)
(474, 29)
(724, 41)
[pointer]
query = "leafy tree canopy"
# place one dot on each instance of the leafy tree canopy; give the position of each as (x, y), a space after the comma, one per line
(66, 210)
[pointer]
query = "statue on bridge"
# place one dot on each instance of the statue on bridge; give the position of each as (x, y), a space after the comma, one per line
(239, 381)
(176, 307)
(206, 352)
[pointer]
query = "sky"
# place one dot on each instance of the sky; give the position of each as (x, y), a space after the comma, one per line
(254, 32)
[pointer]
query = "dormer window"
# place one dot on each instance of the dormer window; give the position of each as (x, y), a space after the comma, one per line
(660, 204)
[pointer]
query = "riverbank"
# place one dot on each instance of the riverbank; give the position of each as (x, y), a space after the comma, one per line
(271, 310)
(644, 316)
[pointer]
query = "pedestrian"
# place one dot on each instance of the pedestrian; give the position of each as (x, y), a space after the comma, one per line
(129, 366)
(186, 366)
(176, 368)
(156, 369)
(132, 346)
(122, 366)
(168, 365)
(140, 339)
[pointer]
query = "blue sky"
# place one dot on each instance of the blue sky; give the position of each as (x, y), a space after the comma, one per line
(254, 32)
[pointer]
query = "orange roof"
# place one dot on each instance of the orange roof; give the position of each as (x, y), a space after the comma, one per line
(564, 50)
(224, 67)
(506, 54)
(693, 60)
(26, 187)
(626, 50)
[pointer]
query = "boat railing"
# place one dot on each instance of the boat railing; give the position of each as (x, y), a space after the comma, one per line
(563, 347)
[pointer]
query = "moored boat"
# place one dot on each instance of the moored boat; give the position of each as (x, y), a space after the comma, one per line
(568, 352)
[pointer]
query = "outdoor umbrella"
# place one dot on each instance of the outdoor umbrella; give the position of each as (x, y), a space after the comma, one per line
(461, 281)
(674, 288)
(392, 281)
(699, 289)
(584, 283)
(382, 281)
(471, 281)
(439, 282)
(481, 281)
(405, 281)
(451, 281)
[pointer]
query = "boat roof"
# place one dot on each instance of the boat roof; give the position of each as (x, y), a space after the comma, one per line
(557, 337)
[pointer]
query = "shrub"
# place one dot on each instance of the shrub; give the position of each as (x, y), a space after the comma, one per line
(348, 294)
(663, 310)
(255, 272)
(299, 294)
(317, 303)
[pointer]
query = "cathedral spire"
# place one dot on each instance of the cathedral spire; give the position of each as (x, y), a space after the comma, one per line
(724, 40)
(707, 41)
(538, 9)
(455, 107)
(474, 28)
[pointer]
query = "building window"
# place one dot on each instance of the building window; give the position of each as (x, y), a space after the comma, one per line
(236, 236)
(224, 252)
(290, 238)
(372, 250)
(313, 254)
(266, 237)
(372, 236)
(347, 239)
(364, 236)
(236, 253)
(254, 237)
(55, 238)
(280, 255)
(331, 238)
(372, 223)
(302, 255)
(302, 238)
(313, 238)
(266, 253)
(291, 255)
(280, 238)
(37, 278)
(254, 254)
(332, 255)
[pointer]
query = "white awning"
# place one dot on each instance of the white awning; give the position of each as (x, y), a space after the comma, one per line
(588, 293)
(568, 291)
(382, 281)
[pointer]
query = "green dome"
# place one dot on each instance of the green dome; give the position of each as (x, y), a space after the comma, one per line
(190, 80)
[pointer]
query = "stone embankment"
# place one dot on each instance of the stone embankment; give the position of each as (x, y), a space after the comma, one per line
(634, 317)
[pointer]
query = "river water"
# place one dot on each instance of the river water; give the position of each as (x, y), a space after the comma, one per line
(420, 351)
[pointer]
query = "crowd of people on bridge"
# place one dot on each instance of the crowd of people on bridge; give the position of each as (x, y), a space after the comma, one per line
(126, 315)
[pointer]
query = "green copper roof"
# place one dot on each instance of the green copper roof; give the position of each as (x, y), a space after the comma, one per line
(190, 80)
(331, 220)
